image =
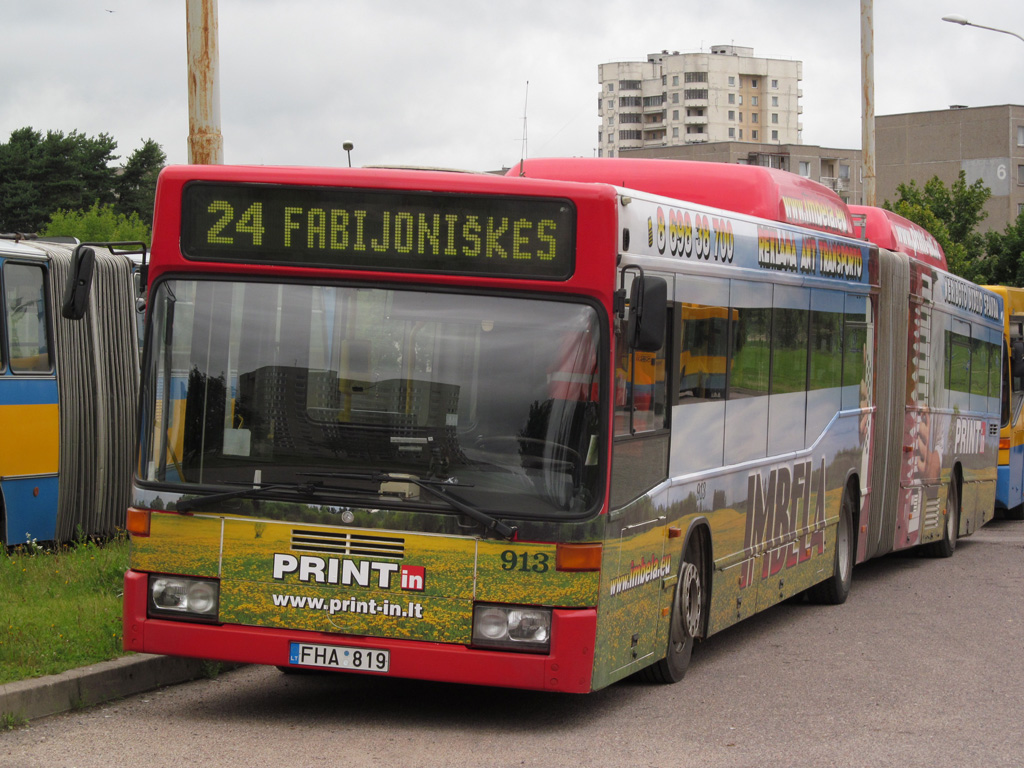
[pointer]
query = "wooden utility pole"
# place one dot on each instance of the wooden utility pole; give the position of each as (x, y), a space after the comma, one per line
(867, 84)
(205, 143)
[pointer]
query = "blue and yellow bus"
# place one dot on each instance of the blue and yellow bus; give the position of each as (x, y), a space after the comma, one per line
(1010, 484)
(67, 395)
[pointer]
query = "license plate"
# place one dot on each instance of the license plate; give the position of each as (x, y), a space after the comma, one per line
(339, 657)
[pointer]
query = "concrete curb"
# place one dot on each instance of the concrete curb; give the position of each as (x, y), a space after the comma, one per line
(95, 684)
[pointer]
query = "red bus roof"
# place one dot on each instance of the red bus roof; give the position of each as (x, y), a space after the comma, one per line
(767, 193)
(890, 230)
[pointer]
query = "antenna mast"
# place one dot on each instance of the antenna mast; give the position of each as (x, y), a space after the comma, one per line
(522, 157)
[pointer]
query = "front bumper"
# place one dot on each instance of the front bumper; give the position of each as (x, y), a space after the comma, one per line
(568, 667)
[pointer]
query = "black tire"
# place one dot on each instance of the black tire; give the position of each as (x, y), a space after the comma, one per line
(1017, 513)
(689, 608)
(947, 544)
(835, 589)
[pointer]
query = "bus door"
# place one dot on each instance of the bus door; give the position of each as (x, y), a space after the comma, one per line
(1015, 393)
(636, 561)
(29, 425)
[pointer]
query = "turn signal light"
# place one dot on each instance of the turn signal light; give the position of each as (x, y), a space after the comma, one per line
(137, 522)
(578, 557)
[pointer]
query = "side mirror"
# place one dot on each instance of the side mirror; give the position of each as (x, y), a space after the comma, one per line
(79, 283)
(1017, 359)
(647, 314)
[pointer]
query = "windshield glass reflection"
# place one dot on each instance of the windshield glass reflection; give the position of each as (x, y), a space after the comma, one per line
(256, 382)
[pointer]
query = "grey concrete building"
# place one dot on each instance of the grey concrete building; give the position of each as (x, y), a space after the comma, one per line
(985, 142)
(675, 99)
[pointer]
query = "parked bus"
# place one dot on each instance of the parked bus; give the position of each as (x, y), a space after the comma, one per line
(68, 392)
(449, 426)
(1010, 487)
(892, 231)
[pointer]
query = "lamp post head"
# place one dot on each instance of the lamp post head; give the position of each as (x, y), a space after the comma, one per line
(955, 18)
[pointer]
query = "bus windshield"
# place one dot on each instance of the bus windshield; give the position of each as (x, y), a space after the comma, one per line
(256, 382)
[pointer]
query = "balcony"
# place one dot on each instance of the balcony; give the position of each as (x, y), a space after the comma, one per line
(835, 183)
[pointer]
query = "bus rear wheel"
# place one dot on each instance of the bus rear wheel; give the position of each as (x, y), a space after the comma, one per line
(688, 616)
(945, 546)
(835, 589)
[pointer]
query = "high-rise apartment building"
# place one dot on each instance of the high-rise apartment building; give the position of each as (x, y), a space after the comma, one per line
(673, 99)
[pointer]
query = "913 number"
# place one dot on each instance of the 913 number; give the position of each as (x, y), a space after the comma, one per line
(522, 561)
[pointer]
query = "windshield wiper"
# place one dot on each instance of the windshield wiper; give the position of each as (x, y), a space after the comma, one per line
(438, 489)
(250, 491)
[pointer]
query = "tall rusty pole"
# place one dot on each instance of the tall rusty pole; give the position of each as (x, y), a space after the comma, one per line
(205, 143)
(867, 83)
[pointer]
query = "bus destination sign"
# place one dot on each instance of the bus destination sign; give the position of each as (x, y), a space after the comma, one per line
(387, 230)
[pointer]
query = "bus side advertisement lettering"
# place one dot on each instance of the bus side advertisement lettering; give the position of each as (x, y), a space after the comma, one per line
(792, 252)
(970, 297)
(342, 228)
(702, 237)
(706, 238)
(779, 505)
(347, 573)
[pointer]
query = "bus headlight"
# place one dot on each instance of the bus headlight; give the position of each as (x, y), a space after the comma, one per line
(512, 627)
(177, 596)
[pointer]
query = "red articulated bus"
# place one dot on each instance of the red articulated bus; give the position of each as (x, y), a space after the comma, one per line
(542, 431)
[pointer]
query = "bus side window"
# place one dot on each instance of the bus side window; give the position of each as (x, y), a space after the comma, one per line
(985, 356)
(26, 318)
(746, 408)
(979, 370)
(787, 407)
(704, 340)
(824, 391)
(858, 373)
(958, 370)
(702, 355)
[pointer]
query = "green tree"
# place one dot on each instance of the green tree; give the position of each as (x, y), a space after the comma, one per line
(1004, 264)
(98, 224)
(40, 174)
(952, 214)
(136, 186)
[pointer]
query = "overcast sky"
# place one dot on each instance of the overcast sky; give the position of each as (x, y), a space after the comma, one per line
(444, 82)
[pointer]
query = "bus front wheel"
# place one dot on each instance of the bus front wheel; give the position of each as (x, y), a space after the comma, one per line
(687, 622)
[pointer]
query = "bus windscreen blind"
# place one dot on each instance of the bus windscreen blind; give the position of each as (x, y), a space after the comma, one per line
(387, 230)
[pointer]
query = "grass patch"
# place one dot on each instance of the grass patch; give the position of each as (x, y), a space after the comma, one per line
(61, 607)
(11, 720)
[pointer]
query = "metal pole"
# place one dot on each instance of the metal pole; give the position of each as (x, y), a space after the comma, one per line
(205, 143)
(867, 77)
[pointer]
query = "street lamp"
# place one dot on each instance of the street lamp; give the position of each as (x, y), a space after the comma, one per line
(957, 19)
(348, 146)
